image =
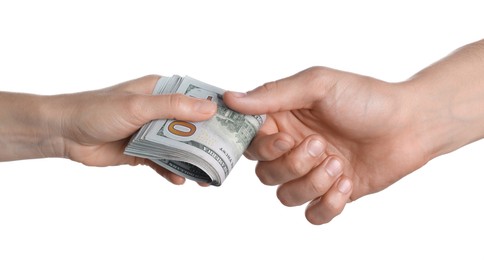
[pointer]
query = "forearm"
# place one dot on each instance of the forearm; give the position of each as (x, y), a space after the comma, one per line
(449, 100)
(26, 127)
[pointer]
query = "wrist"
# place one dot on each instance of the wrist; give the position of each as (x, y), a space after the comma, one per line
(445, 116)
(29, 127)
(447, 98)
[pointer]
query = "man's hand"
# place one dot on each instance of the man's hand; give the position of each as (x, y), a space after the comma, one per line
(331, 137)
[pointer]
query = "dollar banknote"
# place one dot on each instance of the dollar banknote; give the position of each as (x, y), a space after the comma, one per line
(203, 151)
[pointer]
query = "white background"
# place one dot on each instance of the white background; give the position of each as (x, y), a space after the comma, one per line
(58, 209)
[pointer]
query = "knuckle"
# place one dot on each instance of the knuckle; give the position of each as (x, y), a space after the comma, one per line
(269, 86)
(317, 186)
(297, 168)
(132, 102)
(319, 76)
(152, 77)
(333, 207)
(284, 197)
(316, 72)
(135, 84)
(266, 89)
(262, 175)
(175, 100)
(134, 105)
(176, 103)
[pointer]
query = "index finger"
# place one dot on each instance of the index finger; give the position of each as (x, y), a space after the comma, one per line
(268, 147)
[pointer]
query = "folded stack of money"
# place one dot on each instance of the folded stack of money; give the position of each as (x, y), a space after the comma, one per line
(203, 151)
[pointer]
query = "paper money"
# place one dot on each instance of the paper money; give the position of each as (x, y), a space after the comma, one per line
(201, 151)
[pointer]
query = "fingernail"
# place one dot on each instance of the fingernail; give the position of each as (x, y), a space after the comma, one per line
(282, 145)
(344, 186)
(333, 167)
(205, 107)
(315, 148)
(238, 94)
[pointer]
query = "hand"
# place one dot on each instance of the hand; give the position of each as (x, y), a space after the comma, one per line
(331, 137)
(96, 126)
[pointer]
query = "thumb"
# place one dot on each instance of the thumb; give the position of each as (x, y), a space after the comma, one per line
(299, 91)
(175, 106)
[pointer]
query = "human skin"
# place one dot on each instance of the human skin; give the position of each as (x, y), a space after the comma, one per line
(91, 127)
(332, 137)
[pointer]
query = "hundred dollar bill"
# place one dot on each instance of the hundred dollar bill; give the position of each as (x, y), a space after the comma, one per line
(201, 151)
